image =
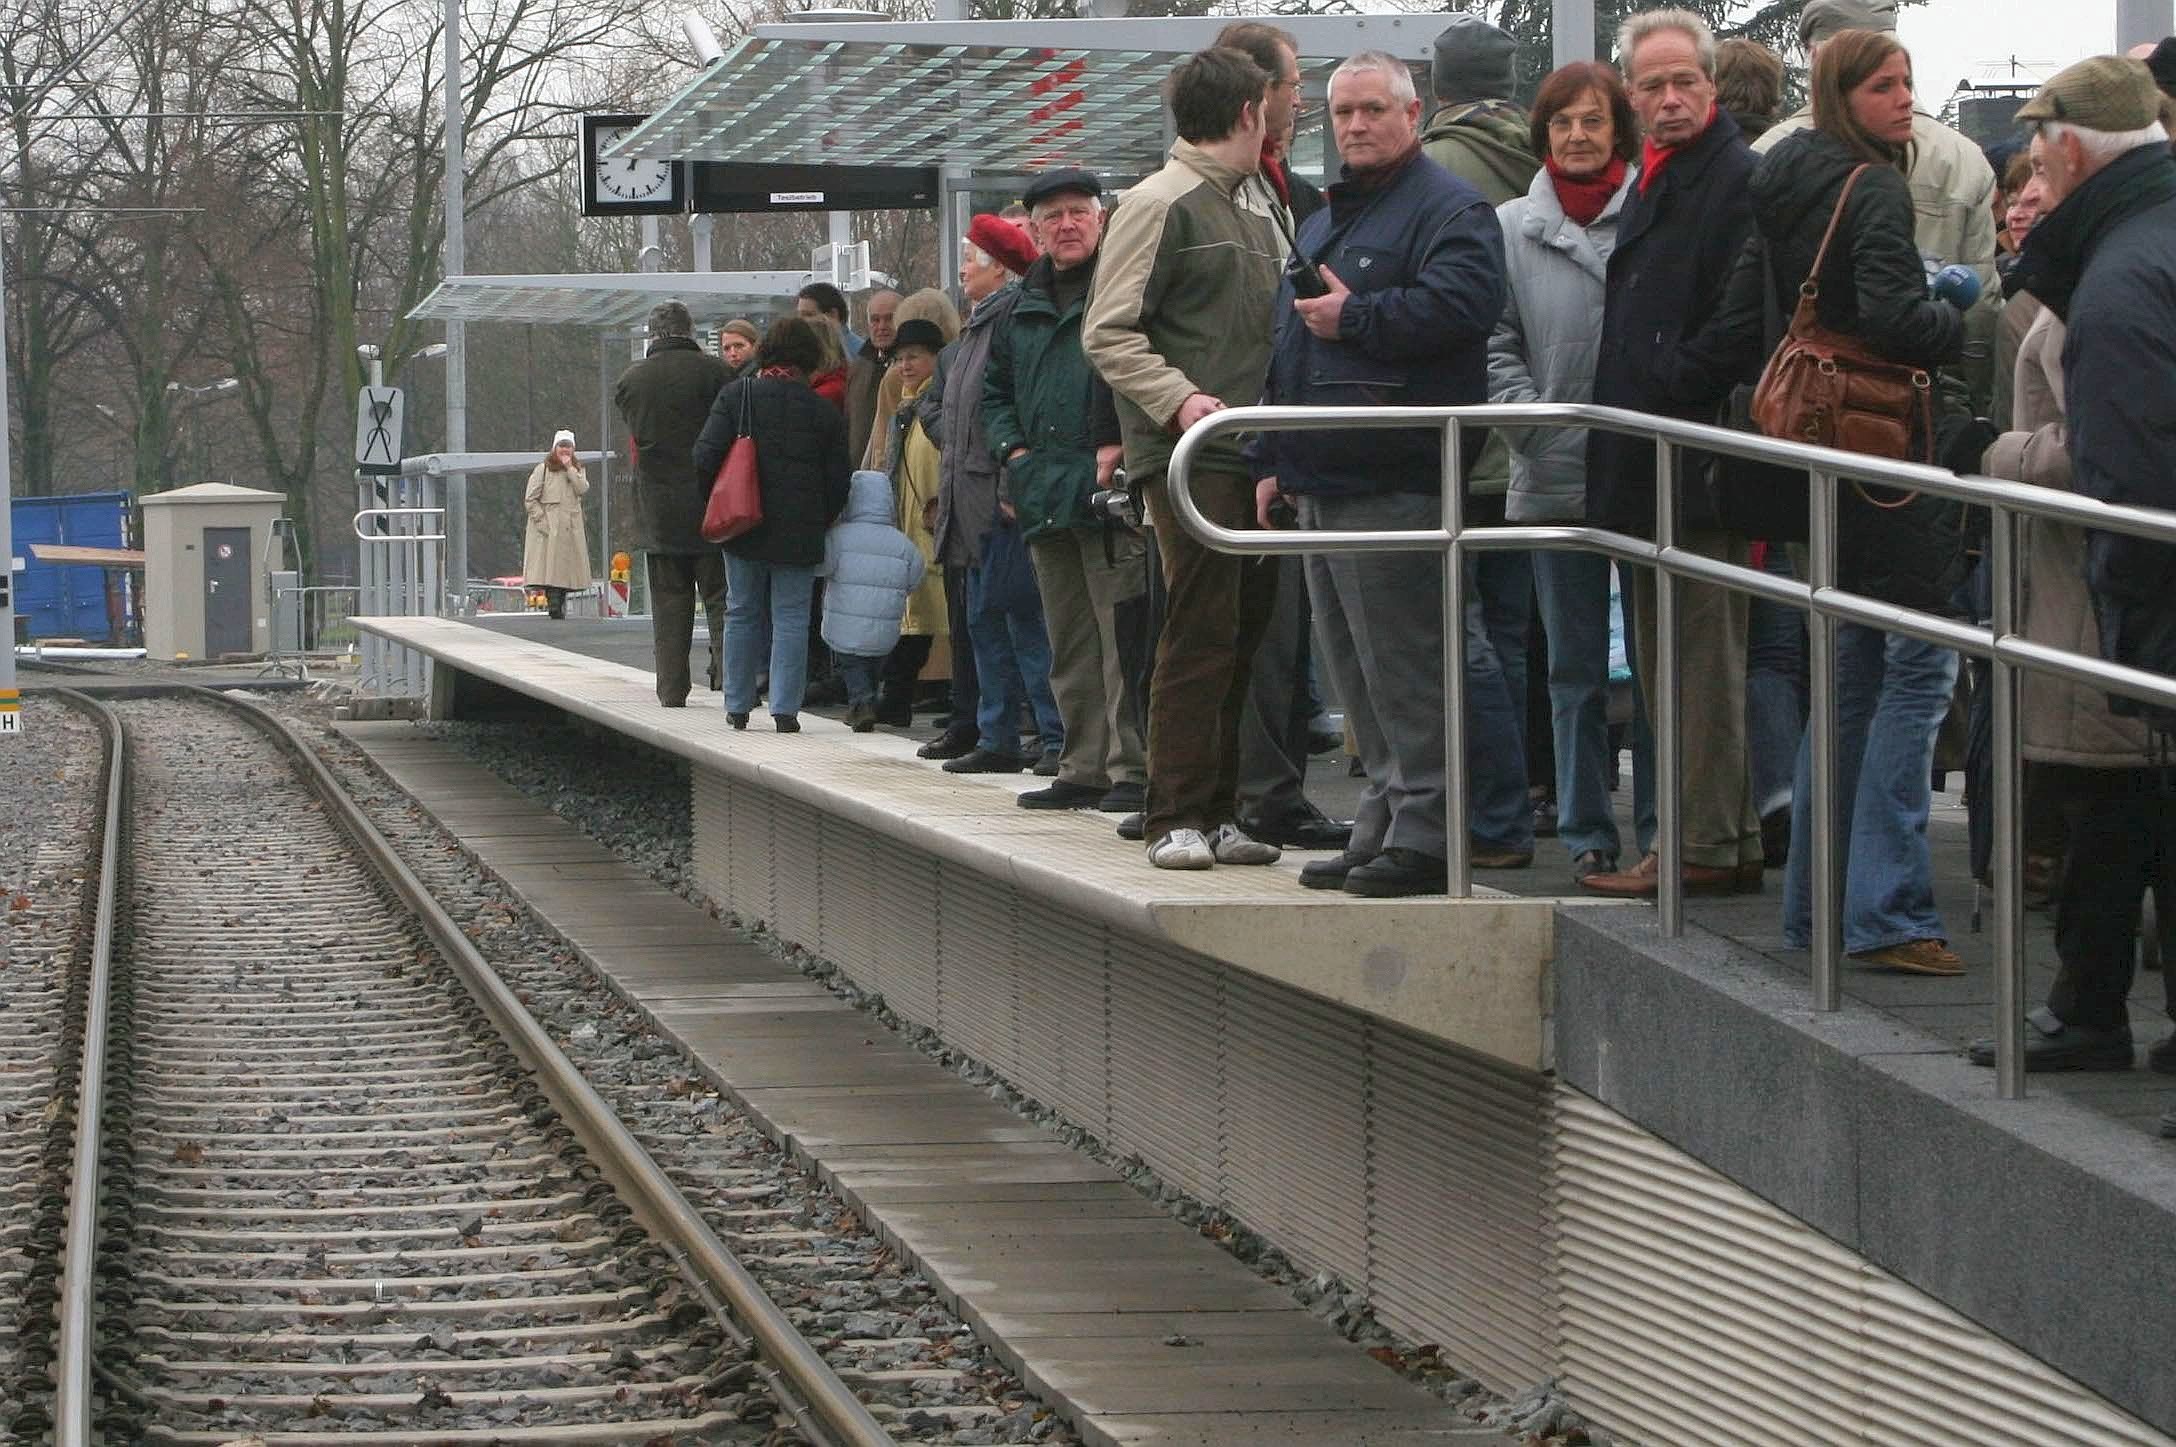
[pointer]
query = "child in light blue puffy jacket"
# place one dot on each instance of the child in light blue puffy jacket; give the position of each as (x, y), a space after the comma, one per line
(870, 567)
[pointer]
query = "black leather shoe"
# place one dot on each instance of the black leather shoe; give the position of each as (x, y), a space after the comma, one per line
(1318, 831)
(1399, 873)
(982, 761)
(1130, 827)
(2052, 1045)
(737, 720)
(1046, 767)
(1061, 795)
(1331, 873)
(786, 723)
(1124, 799)
(945, 746)
(894, 711)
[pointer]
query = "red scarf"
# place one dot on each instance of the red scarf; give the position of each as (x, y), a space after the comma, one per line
(1653, 157)
(1583, 197)
(1273, 169)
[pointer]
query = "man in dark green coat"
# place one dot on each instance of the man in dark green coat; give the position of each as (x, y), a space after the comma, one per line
(1051, 422)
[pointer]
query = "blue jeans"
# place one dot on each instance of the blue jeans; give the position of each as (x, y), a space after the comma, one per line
(1891, 695)
(1775, 690)
(766, 625)
(1499, 613)
(860, 673)
(1012, 648)
(1574, 593)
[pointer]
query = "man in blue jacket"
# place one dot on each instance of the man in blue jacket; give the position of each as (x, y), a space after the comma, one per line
(1413, 262)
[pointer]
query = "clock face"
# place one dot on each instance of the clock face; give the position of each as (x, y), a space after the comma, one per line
(626, 185)
(630, 178)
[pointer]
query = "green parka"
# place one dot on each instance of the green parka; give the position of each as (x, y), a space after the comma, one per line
(1038, 392)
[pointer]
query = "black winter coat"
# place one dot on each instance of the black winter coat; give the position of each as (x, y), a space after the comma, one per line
(2105, 261)
(1676, 245)
(801, 458)
(664, 399)
(1873, 288)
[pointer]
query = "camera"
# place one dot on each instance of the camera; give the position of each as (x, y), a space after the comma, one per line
(1306, 277)
(1281, 512)
(1118, 504)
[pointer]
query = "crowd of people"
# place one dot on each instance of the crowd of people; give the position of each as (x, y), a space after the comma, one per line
(1646, 235)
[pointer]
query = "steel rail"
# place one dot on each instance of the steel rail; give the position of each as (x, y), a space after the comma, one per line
(1825, 604)
(72, 1349)
(823, 1404)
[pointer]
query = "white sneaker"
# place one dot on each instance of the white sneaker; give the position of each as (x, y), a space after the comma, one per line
(1181, 849)
(1231, 845)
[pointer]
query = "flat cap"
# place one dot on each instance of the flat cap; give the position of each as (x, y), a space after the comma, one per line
(1823, 18)
(1070, 180)
(2103, 93)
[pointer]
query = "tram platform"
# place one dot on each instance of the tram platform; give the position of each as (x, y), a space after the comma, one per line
(1529, 1127)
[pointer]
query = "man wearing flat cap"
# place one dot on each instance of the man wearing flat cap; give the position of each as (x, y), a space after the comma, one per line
(2102, 260)
(1953, 189)
(1053, 428)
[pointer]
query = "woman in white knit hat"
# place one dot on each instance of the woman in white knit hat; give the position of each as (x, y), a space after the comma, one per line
(555, 554)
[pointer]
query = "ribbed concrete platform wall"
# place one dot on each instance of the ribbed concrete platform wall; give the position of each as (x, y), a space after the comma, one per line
(1692, 1312)
(1409, 1168)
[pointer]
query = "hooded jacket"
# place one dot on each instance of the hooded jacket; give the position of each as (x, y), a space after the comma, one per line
(664, 400)
(1545, 343)
(870, 567)
(1873, 288)
(1189, 271)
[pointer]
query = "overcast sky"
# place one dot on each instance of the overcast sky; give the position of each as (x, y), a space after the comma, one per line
(1953, 40)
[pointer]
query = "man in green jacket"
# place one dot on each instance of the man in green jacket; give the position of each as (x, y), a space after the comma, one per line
(1050, 421)
(1179, 325)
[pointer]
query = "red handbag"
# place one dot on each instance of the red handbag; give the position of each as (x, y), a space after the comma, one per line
(736, 493)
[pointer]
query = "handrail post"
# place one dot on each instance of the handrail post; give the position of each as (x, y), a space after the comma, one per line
(2009, 905)
(1826, 892)
(1457, 841)
(1669, 754)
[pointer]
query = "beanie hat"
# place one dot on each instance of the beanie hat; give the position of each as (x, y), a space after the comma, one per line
(562, 438)
(1474, 60)
(915, 332)
(2104, 93)
(1006, 242)
(1821, 19)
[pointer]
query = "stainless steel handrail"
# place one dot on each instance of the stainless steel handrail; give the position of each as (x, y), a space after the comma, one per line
(1826, 606)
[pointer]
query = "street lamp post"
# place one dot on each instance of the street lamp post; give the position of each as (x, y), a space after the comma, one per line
(198, 396)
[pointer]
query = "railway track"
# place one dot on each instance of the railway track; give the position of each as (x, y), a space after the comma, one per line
(347, 1191)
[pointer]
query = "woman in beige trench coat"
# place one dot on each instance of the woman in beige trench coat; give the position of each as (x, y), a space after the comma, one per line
(555, 553)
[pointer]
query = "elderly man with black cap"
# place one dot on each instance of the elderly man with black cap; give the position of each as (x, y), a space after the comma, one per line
(1953, 189)
(1053, 427)
(2103, 262)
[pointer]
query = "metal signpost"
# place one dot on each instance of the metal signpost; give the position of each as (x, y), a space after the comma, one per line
(11, 703)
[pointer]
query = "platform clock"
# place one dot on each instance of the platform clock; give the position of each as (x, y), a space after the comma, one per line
(628, 185)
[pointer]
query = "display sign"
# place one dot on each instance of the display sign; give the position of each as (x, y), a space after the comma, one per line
(718, 186)
(377, 431)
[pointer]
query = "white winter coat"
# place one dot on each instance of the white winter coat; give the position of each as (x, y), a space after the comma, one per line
(555, 550)
(1546, 341)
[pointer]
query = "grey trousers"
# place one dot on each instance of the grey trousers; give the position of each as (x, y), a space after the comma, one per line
(1082, 591)
(1273, 729)
(1379, 620)
(675, 579)
(1722, 824)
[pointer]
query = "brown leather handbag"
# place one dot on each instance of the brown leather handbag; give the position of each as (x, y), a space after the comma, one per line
(1830, 389)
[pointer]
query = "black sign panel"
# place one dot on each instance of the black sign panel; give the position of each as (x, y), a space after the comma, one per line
(731, 186)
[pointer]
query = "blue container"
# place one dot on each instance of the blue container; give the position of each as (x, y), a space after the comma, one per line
(68, 600)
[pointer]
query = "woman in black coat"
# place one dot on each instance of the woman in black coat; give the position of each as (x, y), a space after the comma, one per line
(1891, 691)
(770, 570)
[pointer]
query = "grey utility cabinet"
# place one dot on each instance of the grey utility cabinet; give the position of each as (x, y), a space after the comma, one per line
(205, 559)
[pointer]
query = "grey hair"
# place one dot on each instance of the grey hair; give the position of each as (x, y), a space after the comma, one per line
(1647, 23)
(1393, 70)
(2105, 146)
(971, 252)
(1036, 210)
